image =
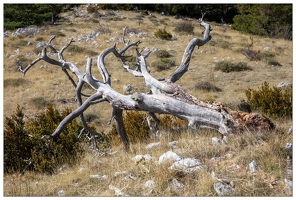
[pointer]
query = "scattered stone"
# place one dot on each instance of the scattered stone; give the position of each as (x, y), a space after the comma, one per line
(173, 144)
(145, 157)
(120, 173)
(267, 48)
(216, 141)
(290, 130)
(187, 165)
(223, 189)
(289, 147)
(118, 192)
(41, 45)
(149, 184)
(176, 185)
(253, 166)
(61, 193)
(168, 156)
(283, 85)
(104, 177)
(151, 145)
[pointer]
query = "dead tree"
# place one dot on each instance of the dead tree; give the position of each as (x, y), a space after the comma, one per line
(165, 97)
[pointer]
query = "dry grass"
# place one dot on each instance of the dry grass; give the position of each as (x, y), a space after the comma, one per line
(49, 82)
(265, 148)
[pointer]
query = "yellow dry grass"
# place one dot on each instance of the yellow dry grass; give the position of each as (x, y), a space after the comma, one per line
(49, 82)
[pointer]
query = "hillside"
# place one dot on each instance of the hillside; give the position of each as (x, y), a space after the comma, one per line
(45, 83)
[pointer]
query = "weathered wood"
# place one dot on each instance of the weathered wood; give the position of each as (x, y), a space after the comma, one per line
(165, 97)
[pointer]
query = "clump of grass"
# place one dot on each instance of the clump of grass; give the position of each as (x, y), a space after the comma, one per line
(207, 86)
(184, 27)
(91, 53)
(57, 33)
(14, 82)
(163, 64)
(163, 34)
(226, 66)
(162, 54)
(39, 102)
(272, 61)
(75, 49)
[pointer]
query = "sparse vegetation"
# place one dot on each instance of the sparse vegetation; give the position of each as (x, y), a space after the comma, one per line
(163, 34)
(226, 161)
(207, 86)
(226, 66)
(163, 64)
(184, 27)
(14, 82)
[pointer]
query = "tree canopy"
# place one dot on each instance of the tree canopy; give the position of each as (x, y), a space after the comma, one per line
(270, 20)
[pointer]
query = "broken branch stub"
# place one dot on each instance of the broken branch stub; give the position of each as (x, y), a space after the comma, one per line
(165, 97)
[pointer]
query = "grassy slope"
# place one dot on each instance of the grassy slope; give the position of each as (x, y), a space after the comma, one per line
(50, 83)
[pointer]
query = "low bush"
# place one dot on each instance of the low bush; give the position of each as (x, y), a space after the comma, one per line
(23, 141)
(137, 128)
(272, 101)
(162, 54)
(226, 66)
(14, 82)
(184, 27)
(163, 64)
(207, 86)
(163, 34)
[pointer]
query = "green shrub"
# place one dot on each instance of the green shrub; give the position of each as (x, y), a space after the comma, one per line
(17, 142)
(162, 54)
(272, 61)
(22, 141)
(48, 155)
(272, 101)
(14, 82)
(136, 127)
(226, 66)
(163, 34)
(207, 86)
(163, 64)
(184, 27)
(92, 8)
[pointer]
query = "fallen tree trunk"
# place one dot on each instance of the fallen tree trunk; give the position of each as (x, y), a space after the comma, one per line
(165, 97)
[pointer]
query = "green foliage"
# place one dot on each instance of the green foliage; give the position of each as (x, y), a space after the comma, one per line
(264, 20)
(184, 27)
(31, 14)
(272, 61)
(207, 86)
(273, 101)
(226, 66)
(163, 64)
(162, 54)
(17, 142)
(92, 8)
(163, 34)
(136, 127)
(22, 140)
(14, 82)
